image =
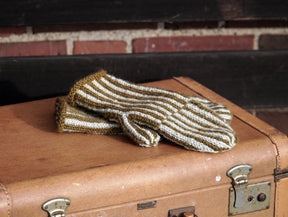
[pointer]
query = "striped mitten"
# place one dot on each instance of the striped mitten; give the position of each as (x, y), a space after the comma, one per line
(192, 122)
(72, 119)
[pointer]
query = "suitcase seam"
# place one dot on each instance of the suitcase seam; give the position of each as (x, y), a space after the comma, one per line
(8, 199)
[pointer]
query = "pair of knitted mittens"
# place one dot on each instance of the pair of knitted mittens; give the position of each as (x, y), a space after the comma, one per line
(143, 113)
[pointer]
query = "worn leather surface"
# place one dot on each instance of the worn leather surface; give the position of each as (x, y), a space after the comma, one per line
(208, 202)
(281, 199)
(96, 171)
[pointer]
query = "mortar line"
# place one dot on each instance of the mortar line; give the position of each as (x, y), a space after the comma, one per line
(129, 35)
(69, 46)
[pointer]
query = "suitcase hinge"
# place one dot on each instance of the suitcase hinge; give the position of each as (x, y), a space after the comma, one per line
(244, 198)
(56, 207)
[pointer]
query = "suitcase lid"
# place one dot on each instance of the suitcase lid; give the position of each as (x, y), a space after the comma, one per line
(35, 160)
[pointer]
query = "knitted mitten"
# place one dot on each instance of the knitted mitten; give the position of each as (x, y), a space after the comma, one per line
(72, 119)
(192, 122)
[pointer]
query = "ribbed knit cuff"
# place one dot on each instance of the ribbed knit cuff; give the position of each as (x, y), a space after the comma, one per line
(70, 119)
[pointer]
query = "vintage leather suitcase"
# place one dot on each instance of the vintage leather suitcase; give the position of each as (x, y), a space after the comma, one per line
(46, 173)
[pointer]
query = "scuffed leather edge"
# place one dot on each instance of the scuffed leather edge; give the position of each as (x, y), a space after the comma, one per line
(4, 191)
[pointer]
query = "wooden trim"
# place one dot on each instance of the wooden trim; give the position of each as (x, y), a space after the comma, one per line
(26, 12)
(247, 78)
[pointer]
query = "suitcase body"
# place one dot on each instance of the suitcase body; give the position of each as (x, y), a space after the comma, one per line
(81, 175)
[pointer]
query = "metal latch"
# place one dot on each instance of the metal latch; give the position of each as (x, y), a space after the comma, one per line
(244, 198)
(239, 175)
(56, 207)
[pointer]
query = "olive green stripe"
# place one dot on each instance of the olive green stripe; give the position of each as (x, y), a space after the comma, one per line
(144, 121)
(81, 129)
(178, 141)
(136, 99)
(197, 121)
(107, 103)
(220, 121)
(203, 132)
(138, 130)
(101, 105)
(81, 83)
(208, 144)
(201, 124)
(204, 126)
(87, 119)
(127, 103)
(151, 91)
(152, 94)
(200, 140)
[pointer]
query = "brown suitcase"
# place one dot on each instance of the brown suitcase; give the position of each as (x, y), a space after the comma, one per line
(79, 175)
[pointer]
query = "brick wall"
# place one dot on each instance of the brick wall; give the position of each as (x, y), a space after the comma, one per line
(142, 37)
(150, 37)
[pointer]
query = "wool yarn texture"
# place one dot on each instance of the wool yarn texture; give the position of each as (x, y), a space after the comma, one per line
(195, 123)
(76, 120)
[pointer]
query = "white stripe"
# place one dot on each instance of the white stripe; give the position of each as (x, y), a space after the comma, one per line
(70, 131)
(199, 129)
(217, 108)
(206, 114)
(190, 132)
(153, 140)
(133, 131)
(185, 141)
(225, 116)
(224, 110)
(76, 114)
(134, 102)
(95, 100)
(94, 125)
(148, 132)
(193, 117)
(198, 99)
(85, 115)
(127, 91)
(82, 114)
(101, 110)
(144, 88)
(185, 124)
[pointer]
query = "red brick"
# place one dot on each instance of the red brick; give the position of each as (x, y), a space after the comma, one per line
(278, 119)
(7, 31)
(98, 47)
(192, 43)
(37, 48)
(94, 27)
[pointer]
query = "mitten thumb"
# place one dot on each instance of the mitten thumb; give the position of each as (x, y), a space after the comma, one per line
(141, 135)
